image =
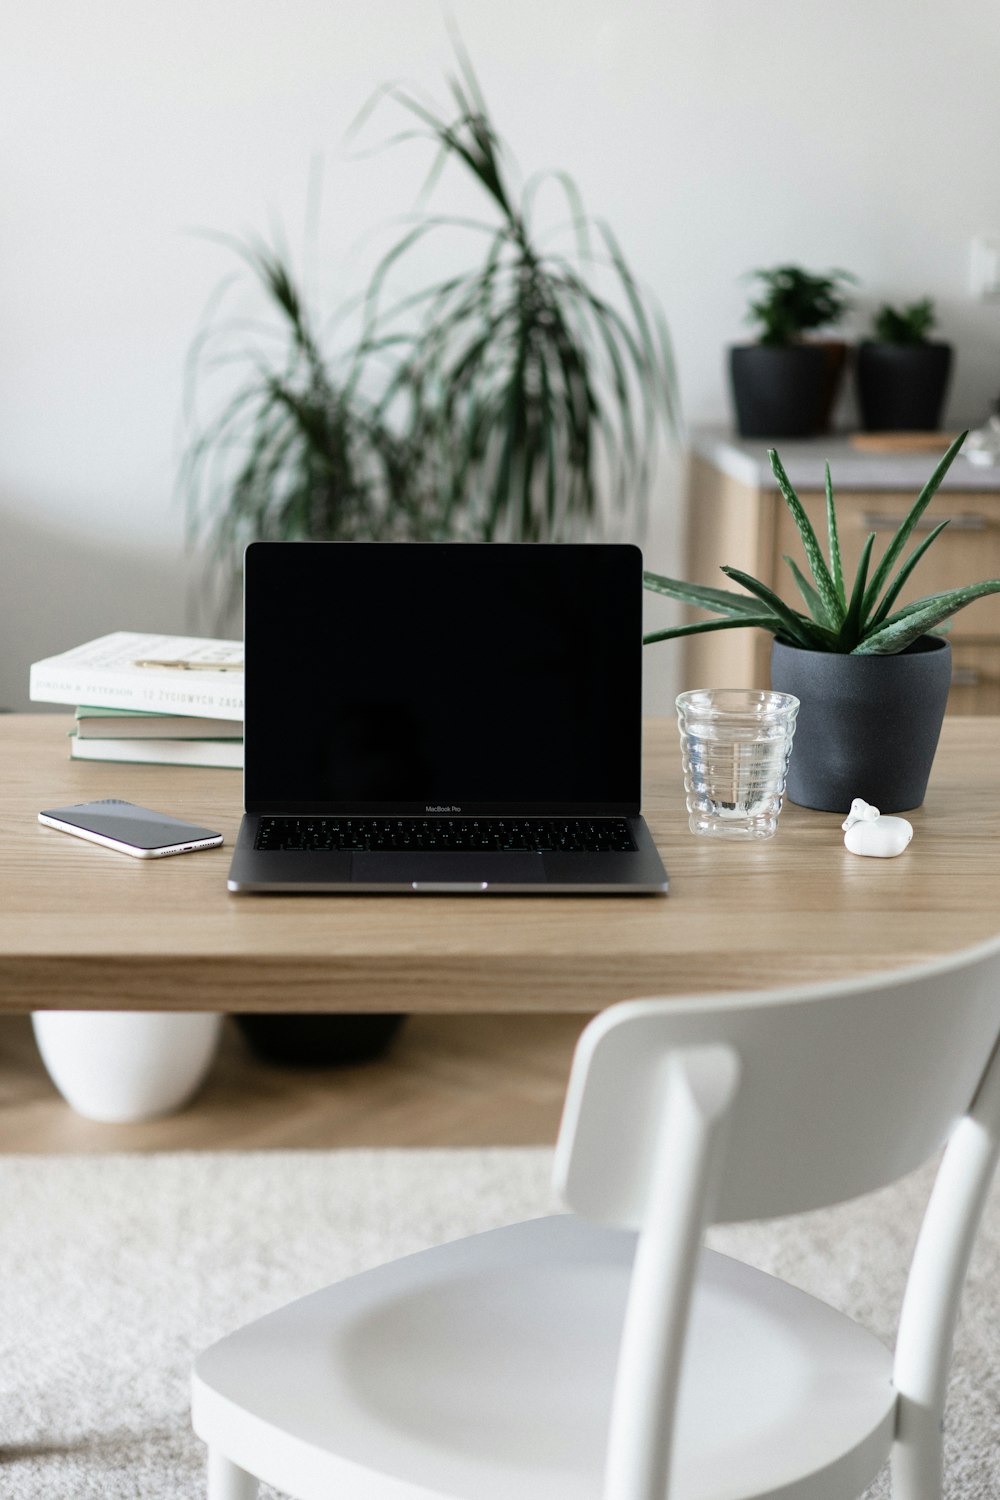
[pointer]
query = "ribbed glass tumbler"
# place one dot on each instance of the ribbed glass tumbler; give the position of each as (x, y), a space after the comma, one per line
(735, 747)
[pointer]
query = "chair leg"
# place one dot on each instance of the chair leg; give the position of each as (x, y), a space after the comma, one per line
(226, 1481)
(917, 1455)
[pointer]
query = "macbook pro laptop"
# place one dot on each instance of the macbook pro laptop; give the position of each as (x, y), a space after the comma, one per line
(444, 717)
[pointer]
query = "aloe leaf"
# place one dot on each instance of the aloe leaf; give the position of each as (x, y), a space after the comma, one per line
(899, 540)
(765, 622)
(817, 562)
(804, 632)
(851, 630)
(915, 619)
(836, 566)
(892, 593)
(719, 601)
(811, 598)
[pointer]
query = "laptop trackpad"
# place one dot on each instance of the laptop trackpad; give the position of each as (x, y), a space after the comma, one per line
(452, 869)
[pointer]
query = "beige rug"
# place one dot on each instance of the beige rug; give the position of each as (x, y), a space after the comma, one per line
(116, 1270)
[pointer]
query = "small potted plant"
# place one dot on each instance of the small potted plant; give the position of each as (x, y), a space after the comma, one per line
(784, 385)
(871, 679)
(901, 373)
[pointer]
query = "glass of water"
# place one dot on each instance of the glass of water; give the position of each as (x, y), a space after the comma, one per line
(735, 746)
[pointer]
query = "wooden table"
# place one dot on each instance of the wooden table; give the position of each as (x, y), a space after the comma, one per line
(83, 927)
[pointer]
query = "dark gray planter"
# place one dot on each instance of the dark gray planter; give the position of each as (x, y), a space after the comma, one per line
(319, 1040)
(868, 725)
(901, 387)
(835, 363)
(779, 392)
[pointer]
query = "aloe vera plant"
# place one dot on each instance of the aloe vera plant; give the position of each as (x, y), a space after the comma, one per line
(859, 622)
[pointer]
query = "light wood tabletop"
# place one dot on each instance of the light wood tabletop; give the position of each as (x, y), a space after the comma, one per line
(83, 927)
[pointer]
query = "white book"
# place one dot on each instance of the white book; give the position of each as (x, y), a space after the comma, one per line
(224, 753)
(134, 724)
(107, 672)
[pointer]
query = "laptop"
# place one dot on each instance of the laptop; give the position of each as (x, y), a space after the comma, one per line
(443, 718)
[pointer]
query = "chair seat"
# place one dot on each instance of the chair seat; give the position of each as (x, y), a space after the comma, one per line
(484, 1369)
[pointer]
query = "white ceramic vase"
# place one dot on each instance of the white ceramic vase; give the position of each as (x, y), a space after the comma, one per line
(116, 1066)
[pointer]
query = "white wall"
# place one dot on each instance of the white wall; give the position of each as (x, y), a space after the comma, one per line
(715, 136)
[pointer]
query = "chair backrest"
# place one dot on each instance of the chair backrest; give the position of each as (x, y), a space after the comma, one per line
(843, 1087)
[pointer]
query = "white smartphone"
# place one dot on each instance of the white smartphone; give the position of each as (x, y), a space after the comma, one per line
(130, 829)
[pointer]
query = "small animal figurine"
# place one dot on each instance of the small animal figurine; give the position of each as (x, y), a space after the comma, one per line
(867, 832)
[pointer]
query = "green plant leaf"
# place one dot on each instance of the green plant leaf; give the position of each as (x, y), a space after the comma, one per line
(765, 621)
(836, 566)
(811, 598)
(851, 630)
(817, 563)
(719, 601)
(803, 631)
(908, 325)
(892, 593)
(899, 540)
(915, 619)
(658, 353)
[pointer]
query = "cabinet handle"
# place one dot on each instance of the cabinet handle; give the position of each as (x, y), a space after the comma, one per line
(965, 677)
(876, 520)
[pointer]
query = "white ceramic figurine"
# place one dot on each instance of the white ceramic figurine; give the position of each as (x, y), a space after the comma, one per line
(867, 832)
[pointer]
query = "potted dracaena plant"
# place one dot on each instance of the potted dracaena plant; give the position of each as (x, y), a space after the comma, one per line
(902, 373)
(523, 397)
(871, 677)
(520, 398)
(785, 384)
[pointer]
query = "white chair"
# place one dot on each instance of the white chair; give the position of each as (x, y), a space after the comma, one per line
(605, 1354)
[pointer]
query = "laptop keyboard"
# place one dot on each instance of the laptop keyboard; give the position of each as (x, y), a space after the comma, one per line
(542, 835)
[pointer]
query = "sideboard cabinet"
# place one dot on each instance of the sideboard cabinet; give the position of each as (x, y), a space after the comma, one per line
(736, 516)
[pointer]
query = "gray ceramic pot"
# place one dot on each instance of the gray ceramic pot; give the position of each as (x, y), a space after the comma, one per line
(901, 387)
(868, 726)
(779, 392)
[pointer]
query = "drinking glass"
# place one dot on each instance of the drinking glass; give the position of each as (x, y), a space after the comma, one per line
(735, 746)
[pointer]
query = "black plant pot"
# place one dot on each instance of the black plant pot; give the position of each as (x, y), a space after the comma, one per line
(780, 392)
(835, 363)
(901, 387)
(868, 726)
(321, 1040)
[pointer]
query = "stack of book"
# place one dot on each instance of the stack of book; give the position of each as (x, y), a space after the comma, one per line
(159, 699)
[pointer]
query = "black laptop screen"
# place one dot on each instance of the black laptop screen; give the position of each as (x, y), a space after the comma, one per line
(420, 678)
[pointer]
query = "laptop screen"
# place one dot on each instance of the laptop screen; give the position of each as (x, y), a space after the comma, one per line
(423, 677)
